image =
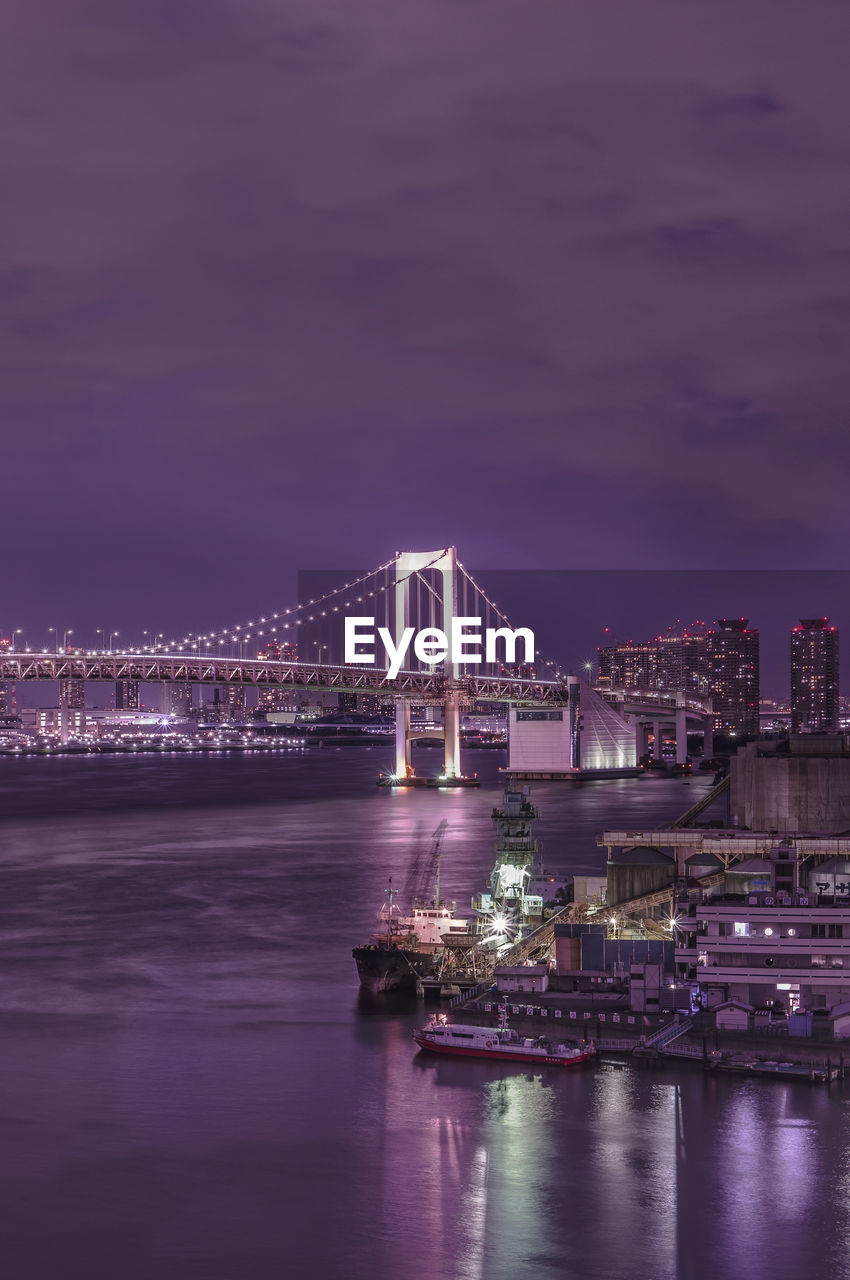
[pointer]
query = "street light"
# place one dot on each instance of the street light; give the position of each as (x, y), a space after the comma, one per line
(69, 632)
(112, 636)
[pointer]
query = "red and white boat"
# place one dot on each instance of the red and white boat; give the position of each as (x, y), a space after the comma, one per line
(461, 1040)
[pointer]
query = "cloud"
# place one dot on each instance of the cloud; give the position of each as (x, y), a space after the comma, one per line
(549, 283)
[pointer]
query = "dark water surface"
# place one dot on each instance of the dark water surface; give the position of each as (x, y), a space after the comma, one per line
(190, 1086)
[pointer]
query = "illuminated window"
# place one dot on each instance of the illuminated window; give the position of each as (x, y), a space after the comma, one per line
(742, 929)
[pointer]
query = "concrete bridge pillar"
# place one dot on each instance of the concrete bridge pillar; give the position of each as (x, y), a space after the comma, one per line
(681, 735)
(657, 727)
(402, 738)
(708, 737)
(451, 717)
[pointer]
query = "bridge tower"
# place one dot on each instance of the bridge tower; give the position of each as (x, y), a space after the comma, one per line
(407, 565)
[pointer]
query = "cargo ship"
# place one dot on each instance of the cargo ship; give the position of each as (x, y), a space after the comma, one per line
(408, 948)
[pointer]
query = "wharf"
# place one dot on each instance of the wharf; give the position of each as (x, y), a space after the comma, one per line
(414, 780)
(467, 986)
(572, 775)
(654, 1042)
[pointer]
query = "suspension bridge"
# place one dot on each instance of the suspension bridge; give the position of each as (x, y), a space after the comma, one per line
(558, 724)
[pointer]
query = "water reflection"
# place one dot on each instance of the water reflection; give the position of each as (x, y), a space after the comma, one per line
(192, 1086)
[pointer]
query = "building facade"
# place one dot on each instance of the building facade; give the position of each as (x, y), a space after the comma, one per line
(797, 784)
(784, 939)
(228, 702)
(668, 662)
(176, 699)
(814, 677)
(585, 734)
(275, 698)
(732, 671)
(72, 694)
(7, 698)
(629, 666)
(126, 695)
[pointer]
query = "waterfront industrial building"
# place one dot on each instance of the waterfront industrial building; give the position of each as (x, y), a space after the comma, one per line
(759, 913)
(598, 732)
(776, 930)
(796, 784)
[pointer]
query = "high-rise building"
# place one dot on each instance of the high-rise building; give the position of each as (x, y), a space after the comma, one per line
(229, 699)
(127, 695)
(175, 699)
(72, 694)
(682, 663)
(814, 677)
(7, 698)
(668, 662)
(8, 688)
(732, 669)
(629, 666)
(276, 698)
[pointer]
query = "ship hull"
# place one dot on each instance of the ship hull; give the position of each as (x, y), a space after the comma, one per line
(383, 969)
(502, 1055)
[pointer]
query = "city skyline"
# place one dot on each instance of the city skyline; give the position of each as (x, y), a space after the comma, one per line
(577, 613)
(433, 327)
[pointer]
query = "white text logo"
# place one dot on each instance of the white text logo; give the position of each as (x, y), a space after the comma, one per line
(462, 645)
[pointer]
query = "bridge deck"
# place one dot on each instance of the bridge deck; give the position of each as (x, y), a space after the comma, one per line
(202, 669)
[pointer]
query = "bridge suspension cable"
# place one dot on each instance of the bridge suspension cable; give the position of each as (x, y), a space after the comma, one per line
(553, 666)
(274, 623)
(294, 616)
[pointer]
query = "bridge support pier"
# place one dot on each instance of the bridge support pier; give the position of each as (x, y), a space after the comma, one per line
(402, 738)
(451, 721)
(657, 727)
(708, 737)
(681, 735)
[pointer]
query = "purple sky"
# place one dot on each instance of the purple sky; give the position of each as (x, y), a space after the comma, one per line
(297, 284)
